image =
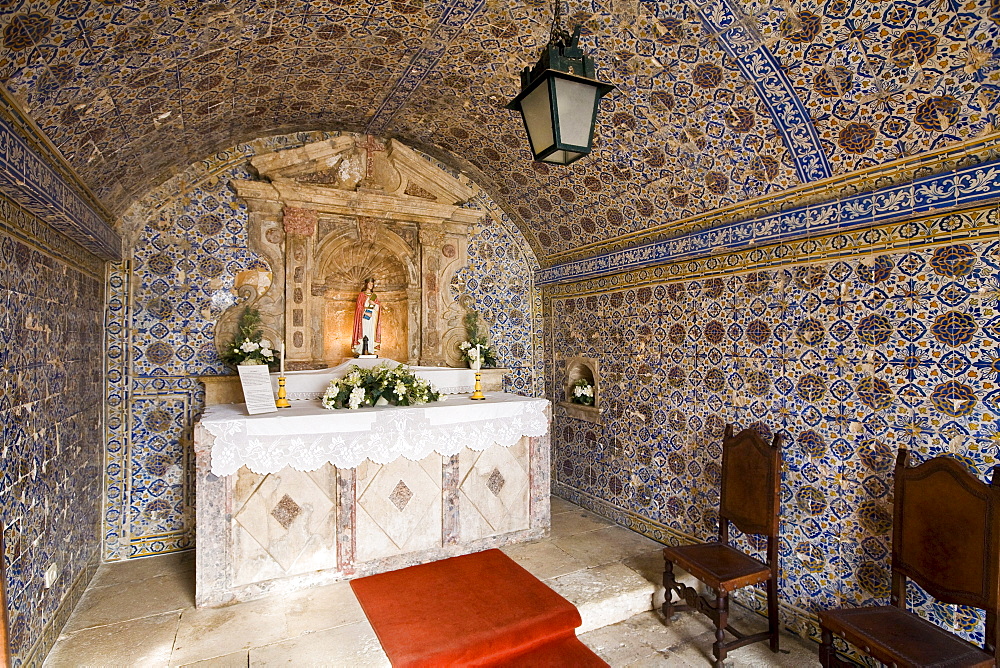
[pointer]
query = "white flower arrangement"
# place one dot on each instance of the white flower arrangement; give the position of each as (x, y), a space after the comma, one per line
(378, 386)
(476, 347)
(583, 393)
(248, 346)
(481, 352)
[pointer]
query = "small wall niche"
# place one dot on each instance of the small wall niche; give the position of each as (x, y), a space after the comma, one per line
(582, 368)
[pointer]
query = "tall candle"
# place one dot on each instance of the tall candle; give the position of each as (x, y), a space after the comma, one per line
(282, 372)
(478, 364)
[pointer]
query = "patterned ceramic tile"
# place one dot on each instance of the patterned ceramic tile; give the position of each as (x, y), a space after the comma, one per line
(50, 315)
(717, 103)
(849, 358)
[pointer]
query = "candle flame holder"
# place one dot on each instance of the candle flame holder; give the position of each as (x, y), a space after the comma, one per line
(282, 401)
(477, 391)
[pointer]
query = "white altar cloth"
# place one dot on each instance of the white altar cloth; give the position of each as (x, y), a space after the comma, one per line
(306, 436)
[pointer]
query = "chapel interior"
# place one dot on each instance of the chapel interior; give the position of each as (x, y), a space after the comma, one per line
(788, 222)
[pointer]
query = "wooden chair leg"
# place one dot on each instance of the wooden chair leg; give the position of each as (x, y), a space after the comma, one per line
(827, 653)
(721, 622)
(669, 585)
(772, 612)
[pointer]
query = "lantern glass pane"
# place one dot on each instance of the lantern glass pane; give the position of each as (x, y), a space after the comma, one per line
(575, 109)
(562, 157)
(538, 118)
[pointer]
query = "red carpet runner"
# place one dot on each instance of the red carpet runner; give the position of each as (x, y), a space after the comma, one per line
(480, 609)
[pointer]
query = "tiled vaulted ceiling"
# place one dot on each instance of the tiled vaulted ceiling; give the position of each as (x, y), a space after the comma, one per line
(717, 101)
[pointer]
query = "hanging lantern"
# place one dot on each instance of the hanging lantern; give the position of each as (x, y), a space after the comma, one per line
(559, 98)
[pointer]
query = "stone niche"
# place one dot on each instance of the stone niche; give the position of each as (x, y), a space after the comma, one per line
(330, 214)
(588, 369)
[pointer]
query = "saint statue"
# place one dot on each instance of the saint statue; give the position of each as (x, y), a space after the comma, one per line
(367, 321)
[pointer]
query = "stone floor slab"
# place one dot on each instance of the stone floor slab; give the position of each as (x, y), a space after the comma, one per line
(234, 660)
(129, 600)
(605, 594)
(577, 522)
(134, 570)
(350, 646)
(543, 559)
(321, 608)
(558, 505)
(215, 632)
(139, 642)
(606, 545)
(644, 640)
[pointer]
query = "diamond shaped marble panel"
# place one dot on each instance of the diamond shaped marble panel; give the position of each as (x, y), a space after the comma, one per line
(286, 526)
(286, 511)
(492, 496)
(399, 507)
(400, 495)
(495, 482)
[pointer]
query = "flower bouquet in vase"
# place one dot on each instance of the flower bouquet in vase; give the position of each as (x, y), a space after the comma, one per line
(583, 393)
(249, 346)
(476, 349)
(379, 386)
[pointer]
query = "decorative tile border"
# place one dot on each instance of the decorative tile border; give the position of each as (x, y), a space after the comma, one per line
(455, 16)
(960, 189)
(929, 230)
(27, 227)
(36, 186)
(41, 144)
(759, 66)
(117, 358)
(899, 172)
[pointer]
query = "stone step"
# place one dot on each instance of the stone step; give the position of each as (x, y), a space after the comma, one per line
(614, 592)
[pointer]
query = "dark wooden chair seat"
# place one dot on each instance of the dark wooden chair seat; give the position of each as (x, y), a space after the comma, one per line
(718, 565)
(946, 538)
(897, 637)
(751, 479)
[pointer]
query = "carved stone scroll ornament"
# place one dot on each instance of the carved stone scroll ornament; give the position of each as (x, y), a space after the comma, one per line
(250, 286)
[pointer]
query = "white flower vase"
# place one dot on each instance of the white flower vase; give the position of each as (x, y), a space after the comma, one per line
(382, 401)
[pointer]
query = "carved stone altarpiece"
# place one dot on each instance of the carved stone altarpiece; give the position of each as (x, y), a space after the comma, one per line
(330, 214)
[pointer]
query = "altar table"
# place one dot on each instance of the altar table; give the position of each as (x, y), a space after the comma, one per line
(307, 496)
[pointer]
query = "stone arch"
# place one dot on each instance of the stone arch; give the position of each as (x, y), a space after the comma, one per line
(343, 264)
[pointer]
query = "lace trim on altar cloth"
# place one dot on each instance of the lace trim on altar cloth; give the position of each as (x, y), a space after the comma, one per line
(411, 432)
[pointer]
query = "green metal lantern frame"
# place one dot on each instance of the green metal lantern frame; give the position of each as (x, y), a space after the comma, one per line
(563, 69)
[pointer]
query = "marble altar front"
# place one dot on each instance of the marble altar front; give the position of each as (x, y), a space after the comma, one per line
(307, 496)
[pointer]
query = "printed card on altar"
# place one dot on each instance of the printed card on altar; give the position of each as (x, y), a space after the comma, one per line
(256, 381)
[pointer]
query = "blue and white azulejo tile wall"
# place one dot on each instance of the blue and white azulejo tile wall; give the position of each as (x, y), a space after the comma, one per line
(850, 342)
(50, 411)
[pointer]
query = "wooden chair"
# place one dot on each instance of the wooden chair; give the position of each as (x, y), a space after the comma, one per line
(946, 538)
(751, 479)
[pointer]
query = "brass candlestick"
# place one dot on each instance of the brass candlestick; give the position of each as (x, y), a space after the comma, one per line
(477, 391)
(282, 402)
